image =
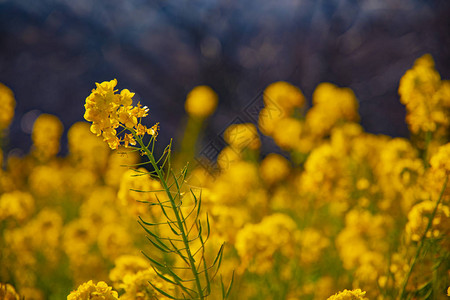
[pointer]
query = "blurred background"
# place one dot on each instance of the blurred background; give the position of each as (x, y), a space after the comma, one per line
(53, 51)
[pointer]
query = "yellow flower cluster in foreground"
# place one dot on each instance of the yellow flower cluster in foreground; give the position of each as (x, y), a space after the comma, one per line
(336, 213)
(108, 111)
(349, 295)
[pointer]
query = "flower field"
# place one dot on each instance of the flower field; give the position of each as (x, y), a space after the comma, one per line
(334, 213)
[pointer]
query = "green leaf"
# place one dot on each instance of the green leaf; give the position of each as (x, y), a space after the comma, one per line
(163, 210)
(208, 227)
(148, 223)
(219, 256)
(173, 230)
(163, 277)
(136, 165)
(230, 286)
(199, 204)
(208, 283)
(159, 247)
(162, 292)
(154, 261)
(179, 253)
(177, 282)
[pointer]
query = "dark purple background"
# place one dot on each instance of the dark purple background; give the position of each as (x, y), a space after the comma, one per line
(52, 53)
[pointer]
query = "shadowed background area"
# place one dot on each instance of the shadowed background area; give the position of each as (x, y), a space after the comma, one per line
(53, 51)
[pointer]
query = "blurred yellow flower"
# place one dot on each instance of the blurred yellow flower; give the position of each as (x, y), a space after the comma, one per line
(18, 205)
(425, 96)
(136, 188)
(46, 180)
(256, 244)
(312, 245)
(287, 133)
(418, 219)
(78, 238)
(46, 135)
(114, 240)
(201, 102)
(274, 168)
(82, 145)
(280, 101)
(241, 136)
(7, 106)
(127, 264)
(137, 287)
(283, 96)
(7, 292)
(439, 170)
(331, 105)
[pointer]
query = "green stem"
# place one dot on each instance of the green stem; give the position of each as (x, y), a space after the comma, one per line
(422, 240)
(175, 210)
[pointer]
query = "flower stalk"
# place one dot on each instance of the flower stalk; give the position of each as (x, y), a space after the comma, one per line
(180, 224)
(111, 112)
(422, 241)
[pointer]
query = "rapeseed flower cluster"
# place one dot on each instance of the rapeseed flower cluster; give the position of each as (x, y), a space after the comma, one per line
(349, 295)
(89, 290)
(426, 97)
(8, 292)
(336, 213)
(46, 134)
(108, 111)
(7, 106)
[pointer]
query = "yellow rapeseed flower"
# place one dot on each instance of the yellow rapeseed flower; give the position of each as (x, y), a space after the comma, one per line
(46, 180)
(8, 292)
(274, 168)
(280, 101)
(331, 105)
(114, 240)
(419, 217)
(425, 96)
(78, 238)
(136, 286)
(201, 102)
(287, 133)
(440, 168)
(92, 291)
(283, 96)
(127, 265)
(7, 106)
(227, 157)
(312, 244)
(46, 135)
(18, 205)
(241, 136)
(349, 295)
(256, 244)
(137, 187)
(108, 111)
(83, 144)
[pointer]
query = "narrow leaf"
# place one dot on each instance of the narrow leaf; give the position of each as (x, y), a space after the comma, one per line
(162, 292)
(159, 247)
(173, 229)
(230, 286)
(154, 261)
